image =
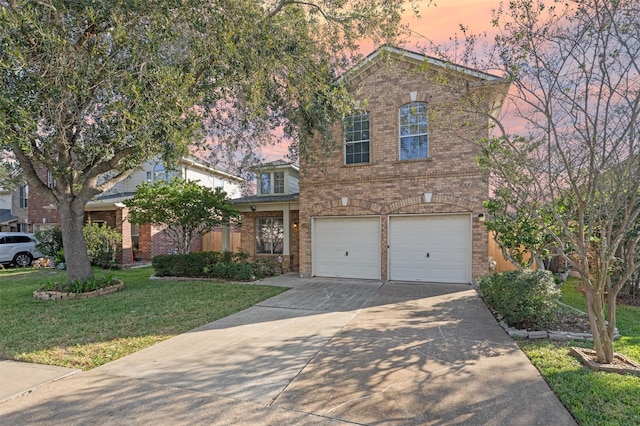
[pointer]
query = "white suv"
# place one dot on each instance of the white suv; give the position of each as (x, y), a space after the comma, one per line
(18, 248)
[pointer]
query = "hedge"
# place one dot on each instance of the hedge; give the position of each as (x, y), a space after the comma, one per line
(209, 264)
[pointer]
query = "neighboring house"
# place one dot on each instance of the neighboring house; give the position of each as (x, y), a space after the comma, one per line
(270, 218)
(35, 211)
(7, 219)
(399, 197)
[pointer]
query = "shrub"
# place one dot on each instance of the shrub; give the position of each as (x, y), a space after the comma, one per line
(59, 257)
(102, 243)
(525, 298)
(265, 267)
(49, 241)
(175, 265)
(241, 255)
(225, 265)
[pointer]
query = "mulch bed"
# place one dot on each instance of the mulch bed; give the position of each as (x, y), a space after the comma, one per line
(620, 364)
(58, 295)
(570, 321)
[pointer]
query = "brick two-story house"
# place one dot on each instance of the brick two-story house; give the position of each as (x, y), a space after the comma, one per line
(399, 196)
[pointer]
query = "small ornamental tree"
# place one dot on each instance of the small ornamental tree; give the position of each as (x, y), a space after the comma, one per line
(186, 210)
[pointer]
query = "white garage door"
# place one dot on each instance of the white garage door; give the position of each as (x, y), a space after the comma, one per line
(347, 247)
(430, 248)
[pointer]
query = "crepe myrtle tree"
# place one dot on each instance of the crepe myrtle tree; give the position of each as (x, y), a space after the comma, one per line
(567, 150)
(93, 89)
(184, 208)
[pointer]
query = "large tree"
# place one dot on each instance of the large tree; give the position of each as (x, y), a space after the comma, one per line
(92, 89)
(569, 153)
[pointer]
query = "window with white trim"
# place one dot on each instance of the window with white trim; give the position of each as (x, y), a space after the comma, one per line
(24, 196)
(269, 235)
(265, 183)
(278, 182)
(159, 173)
(51, 182)
(271, 183)
(135, 232)
(414, 138)
(357, 138)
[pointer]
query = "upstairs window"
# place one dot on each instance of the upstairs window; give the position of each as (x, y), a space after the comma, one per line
(265, 183)
(159, 173)
(272, 183)
(278, 182)
(51, 182)
(24, 196)
(356, 138)
(414, 139)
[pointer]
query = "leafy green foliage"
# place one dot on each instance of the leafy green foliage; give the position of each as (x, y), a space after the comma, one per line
(92, 90)
(102, 244)
(186, 209)
(525, 298)
(49, 241)
(518, 232)
(81, 286)
(226, 265)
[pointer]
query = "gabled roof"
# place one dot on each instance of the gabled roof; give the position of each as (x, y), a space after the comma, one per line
(418, 58)
(204, 165)
(277, 164)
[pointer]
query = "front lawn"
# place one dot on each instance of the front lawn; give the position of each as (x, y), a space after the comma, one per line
(594, 398)
(88, 333)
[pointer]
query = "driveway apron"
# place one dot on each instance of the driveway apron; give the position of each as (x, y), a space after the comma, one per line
(326, 351)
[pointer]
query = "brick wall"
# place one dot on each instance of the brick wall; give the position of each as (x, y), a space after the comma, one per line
(248, 237)
(387, 186)
(37, 213)
(144, 242)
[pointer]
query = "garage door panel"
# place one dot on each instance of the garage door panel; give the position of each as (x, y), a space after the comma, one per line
(430, 248)
(347, 247)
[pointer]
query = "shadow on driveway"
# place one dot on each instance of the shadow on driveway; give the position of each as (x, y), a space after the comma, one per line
(324, 352)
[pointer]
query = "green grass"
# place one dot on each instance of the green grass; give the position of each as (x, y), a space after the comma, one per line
(88, 333)
(594, 398)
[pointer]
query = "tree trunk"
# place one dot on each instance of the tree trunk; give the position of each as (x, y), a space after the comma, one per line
(75, 248)
(602, 339)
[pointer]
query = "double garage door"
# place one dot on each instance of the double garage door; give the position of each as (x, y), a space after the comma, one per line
(434, 248)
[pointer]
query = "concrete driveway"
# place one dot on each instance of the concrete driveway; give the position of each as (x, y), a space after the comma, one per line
(325, 352)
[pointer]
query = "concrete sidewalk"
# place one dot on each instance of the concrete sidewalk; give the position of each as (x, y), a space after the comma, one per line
(18, 378)
(325, 352)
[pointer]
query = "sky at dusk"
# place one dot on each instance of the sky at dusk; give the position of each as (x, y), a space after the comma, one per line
(436, 24)
(442, 21)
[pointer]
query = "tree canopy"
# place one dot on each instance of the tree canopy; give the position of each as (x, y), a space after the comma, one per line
(92, 89)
